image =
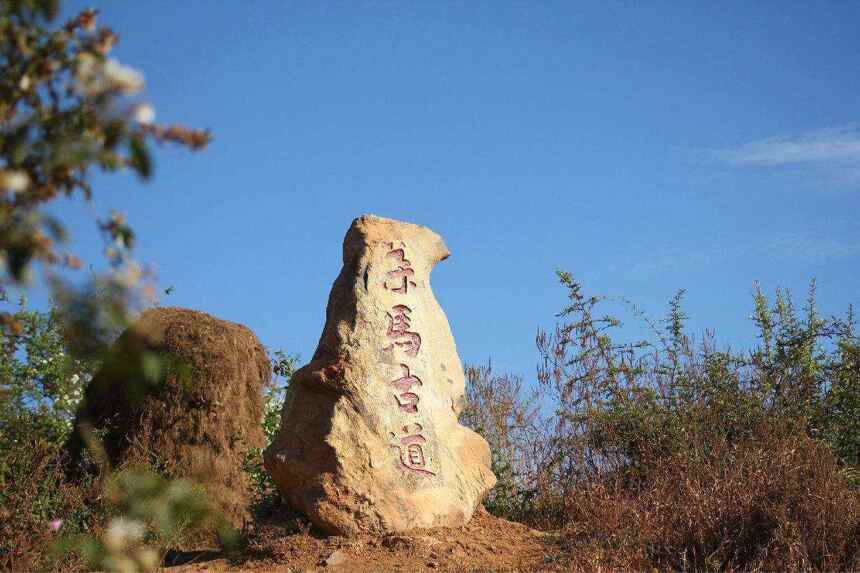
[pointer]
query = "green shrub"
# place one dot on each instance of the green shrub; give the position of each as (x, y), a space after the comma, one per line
(41, 383)
(283, 367)
(619, 405)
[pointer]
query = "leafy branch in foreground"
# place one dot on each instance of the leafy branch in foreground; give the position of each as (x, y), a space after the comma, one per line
(66, 108)
(69, 109)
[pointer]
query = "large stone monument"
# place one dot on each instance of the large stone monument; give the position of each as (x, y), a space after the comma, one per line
(369, 438)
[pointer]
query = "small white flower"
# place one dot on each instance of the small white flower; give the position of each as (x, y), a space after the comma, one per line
(126, 79)
(24, 83)
(75, 378)
(14, 180)
(122, 532)
(95, 77)
(86, 65)
(144, 114)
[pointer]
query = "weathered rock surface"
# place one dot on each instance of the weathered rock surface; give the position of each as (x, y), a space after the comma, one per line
(369, 438)
(181, 391)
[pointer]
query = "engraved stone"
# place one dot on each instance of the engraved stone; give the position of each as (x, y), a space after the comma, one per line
(369, 438)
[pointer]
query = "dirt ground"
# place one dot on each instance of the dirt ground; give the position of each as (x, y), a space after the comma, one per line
(487, 543)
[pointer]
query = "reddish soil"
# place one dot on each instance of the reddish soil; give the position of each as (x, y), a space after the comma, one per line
(487, 543)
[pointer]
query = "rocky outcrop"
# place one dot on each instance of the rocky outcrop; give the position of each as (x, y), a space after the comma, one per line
(369, 438)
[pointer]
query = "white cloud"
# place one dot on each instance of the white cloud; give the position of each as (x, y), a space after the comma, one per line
(837, 146)
(810, 249)
(804, 248)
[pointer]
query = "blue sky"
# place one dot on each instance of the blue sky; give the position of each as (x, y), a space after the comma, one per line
(644, 147)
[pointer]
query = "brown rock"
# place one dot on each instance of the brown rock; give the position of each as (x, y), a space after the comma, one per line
(181, 391)
(369, 438)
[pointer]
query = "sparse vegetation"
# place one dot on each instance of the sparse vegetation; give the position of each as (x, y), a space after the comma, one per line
(676, 454)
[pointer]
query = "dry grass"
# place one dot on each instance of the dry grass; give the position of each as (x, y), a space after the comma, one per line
(774, 500)
(781, 504)
(34, 495)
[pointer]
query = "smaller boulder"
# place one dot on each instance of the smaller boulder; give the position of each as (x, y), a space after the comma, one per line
(180, 391)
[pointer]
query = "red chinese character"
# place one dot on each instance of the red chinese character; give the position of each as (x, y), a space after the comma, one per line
(398, 329)
(407, 381)
(404, 384)
(411, 450)
(400, 276)
(410, 406)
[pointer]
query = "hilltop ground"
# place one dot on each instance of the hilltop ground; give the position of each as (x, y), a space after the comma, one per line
(486, 543)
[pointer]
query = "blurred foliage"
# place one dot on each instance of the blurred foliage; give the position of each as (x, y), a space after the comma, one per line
(66, 108)
(146, 515)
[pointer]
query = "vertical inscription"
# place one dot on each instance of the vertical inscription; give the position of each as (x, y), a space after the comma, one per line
(410, 449)
(398, 330)
(410, 440)
(407, 400)
(399, 279)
